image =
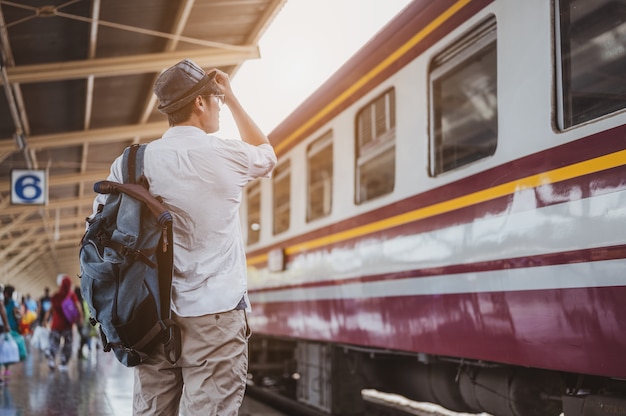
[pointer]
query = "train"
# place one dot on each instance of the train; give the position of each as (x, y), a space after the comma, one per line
(447, 219)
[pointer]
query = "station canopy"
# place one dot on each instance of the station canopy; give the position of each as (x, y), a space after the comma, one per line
(75, 90)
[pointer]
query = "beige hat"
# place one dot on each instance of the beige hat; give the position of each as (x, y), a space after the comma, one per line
(180, 84)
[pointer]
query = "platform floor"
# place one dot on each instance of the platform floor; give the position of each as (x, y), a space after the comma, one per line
(95, 386)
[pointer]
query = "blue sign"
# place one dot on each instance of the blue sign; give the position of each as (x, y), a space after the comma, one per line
(29, 187)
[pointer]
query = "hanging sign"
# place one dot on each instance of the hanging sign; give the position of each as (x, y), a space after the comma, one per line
(29, 187)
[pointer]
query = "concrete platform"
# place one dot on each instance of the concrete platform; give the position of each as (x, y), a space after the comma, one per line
(95, 386)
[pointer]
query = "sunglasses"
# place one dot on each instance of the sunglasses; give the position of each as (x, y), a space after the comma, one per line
(220, 98)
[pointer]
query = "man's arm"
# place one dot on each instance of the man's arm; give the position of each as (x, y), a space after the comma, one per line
(248, 129)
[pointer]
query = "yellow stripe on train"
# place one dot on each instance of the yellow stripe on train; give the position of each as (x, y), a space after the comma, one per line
(545, 178)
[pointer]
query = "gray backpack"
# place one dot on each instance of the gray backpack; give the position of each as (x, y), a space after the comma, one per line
(126, 262)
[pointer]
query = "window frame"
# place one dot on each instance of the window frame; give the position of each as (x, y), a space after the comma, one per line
(318, 146)
(253, 190)
(378, 146)
(453, 57)
(567, 114)
(281, 172)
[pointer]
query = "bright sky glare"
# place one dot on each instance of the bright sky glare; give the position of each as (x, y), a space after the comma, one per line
(304, 45)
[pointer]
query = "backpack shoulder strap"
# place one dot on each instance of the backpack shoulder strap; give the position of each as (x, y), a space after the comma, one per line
(132, 163)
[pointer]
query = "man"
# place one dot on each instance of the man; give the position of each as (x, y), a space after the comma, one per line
(201, 179)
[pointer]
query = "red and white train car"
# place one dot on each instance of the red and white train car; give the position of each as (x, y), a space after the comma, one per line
(448, 217)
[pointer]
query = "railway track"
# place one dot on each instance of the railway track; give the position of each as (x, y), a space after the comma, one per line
(376, 404)
(280, 402)
(394, 405)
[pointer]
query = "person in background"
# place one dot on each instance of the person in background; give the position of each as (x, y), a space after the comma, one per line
(84, 327)
(13, 315)
(29, 315)
(31, 304)
(4, 327)
(43, 306)
(60, 328)
(200, 179)
(12, 309)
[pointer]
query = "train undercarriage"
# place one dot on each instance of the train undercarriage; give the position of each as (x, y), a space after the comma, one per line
(330, 378)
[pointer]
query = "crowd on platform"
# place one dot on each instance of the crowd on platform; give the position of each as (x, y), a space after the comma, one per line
(44, 324)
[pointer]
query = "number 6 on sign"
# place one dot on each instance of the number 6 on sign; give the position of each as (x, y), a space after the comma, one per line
(29, 187)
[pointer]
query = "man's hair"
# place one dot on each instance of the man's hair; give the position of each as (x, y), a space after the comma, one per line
(184, 113)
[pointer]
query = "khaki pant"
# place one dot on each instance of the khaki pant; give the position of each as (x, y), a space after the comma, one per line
(210, 375)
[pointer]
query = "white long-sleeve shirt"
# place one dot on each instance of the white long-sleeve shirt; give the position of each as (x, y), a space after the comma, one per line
(201, 179)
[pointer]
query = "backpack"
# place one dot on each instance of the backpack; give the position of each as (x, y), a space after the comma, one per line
(69, 309)
(126, 263)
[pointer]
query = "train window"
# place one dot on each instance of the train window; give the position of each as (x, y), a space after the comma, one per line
(592, 56)
(376, 147)
(253, 199)
(463, 100)
(281, 179)
(320, 177)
